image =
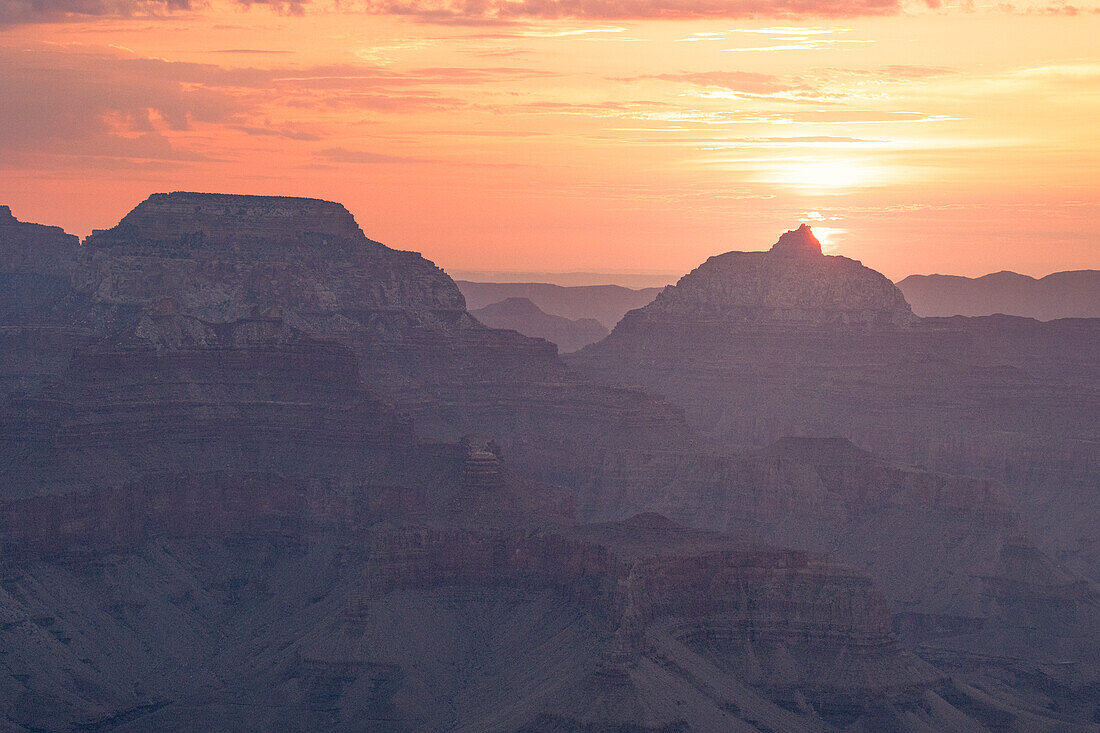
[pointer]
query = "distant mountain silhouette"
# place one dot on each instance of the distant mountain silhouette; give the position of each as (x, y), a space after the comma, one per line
(1073, 294)
(520, 314)
(606, 303)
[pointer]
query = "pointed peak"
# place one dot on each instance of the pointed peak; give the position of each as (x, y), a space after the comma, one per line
(799, 241)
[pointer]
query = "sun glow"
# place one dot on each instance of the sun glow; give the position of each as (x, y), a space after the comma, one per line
(828, 236)
(824, 175)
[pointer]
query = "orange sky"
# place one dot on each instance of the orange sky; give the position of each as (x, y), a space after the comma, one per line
(578, 134)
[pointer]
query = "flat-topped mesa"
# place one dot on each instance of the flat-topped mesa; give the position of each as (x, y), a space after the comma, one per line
(792, 284)
(6, 218)
(799, 241)
(219, 256)
(186, 220)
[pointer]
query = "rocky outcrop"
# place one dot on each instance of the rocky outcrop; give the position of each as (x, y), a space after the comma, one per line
(968, 588)
(520, 314)
(758, 346)
(762, 345)
(35, 264)
(218, 257)
(34, 249)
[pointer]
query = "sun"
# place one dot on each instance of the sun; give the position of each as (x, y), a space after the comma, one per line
(823, 175)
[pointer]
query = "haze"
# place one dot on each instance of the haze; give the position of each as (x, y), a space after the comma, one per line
(640, 135)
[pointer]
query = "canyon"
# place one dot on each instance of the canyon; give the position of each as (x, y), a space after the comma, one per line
(261, 472)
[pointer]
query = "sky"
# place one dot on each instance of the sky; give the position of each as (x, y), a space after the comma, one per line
(578, 135)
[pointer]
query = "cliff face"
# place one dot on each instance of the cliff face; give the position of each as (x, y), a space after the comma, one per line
(34, 249)
(762, 345)
(759, 346)
(219, 260)
(35, 265)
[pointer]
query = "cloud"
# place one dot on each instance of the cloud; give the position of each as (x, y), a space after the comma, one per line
(92, 105)
(820, 86)
(250, 51)
(363, 157)
(502, 10)
(735, 81)
(288, 133)
(461, 12)
(14, 12)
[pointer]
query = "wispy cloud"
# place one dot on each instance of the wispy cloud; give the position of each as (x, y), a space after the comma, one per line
(364, 157)
(510, 10)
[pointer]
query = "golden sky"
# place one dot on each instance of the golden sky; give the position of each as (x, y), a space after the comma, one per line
(624, 135)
